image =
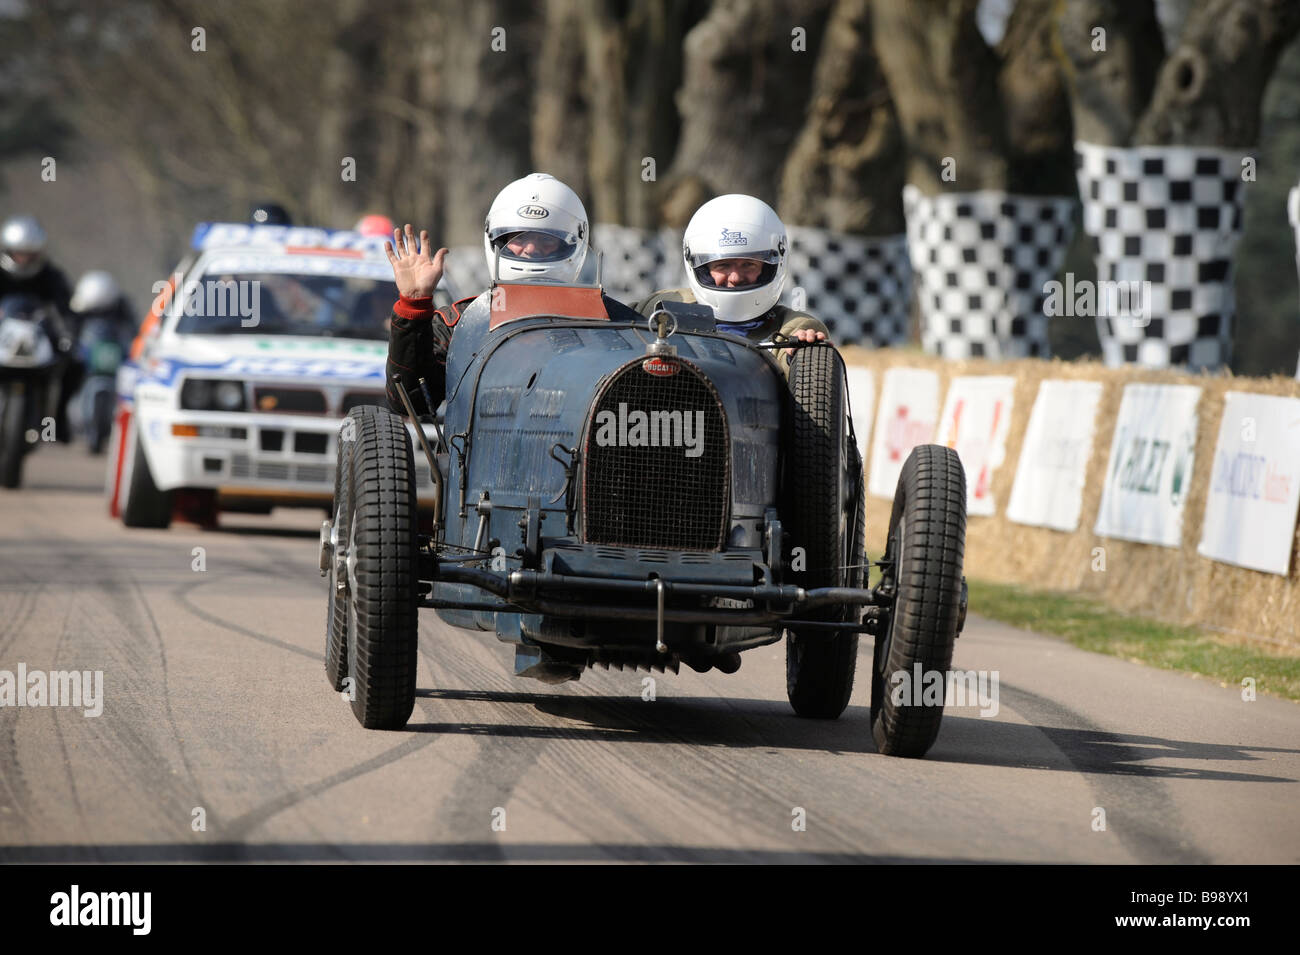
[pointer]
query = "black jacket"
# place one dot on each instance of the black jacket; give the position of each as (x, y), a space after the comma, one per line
(47, 285)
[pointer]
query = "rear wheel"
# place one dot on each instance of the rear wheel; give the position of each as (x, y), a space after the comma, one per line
(381, 566)
(923, 567)
(13, 433)
(100, 421)
(144, 505)
(823, 489)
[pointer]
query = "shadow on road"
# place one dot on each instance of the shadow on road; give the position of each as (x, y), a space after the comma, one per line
(965, 739)
(253, 530)
(699, 721)
(739, 723)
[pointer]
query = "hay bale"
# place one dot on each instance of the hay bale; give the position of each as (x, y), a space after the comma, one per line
(1173, 584)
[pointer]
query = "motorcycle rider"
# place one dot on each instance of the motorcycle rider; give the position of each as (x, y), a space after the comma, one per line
(269, 213)
(106, 322)
(25, 270)
(97, 295)
(539, 227)
(735, 250)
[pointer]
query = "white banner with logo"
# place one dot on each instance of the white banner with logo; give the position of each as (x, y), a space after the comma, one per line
(1250, 511)
(908, 412)
(975, 420)
(862, 399)
(1048, 490)
(1150, 466)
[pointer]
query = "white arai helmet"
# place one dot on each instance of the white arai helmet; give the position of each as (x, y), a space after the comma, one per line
(735, 227)
(540, 227)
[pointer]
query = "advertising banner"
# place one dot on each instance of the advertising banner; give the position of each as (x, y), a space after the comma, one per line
(909, 409)
(1048, 490)
(862, 399)
(1250, 510)
(975, 421)
(1150, 466)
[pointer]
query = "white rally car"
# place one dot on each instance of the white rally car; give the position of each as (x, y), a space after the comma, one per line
(268, 335)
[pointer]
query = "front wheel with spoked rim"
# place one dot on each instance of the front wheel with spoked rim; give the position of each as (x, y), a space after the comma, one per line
(923, 571)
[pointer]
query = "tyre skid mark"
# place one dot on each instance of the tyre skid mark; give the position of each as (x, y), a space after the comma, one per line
(1144, 798)
(181, 593)
(195, 788)
(82, 823)
(692, 794)
(239, 827)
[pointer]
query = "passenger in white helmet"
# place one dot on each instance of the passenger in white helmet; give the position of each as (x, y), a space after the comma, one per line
(734, 250)
(535, 231)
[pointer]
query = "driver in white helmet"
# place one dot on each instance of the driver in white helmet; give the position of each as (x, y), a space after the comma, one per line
(734, 249)
(536, 231)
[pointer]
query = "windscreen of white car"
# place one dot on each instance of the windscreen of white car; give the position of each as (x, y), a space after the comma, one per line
(283, 303)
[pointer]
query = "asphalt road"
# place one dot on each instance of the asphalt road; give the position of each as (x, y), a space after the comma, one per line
(215, 699)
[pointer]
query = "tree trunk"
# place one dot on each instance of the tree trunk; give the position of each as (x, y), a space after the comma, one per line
(845, 171)
(744, 90)
(1035, 104)
(1109, 86)
(944, 79)
(1209, 90)
(484, 111)
(561, 115)
(652, 125)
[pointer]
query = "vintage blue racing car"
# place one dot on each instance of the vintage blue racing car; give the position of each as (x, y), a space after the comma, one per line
(615, 491)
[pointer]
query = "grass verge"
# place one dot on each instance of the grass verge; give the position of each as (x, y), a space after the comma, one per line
(1090, 625)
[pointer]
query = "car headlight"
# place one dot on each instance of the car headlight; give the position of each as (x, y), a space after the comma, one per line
(230, 396)
(206, 394)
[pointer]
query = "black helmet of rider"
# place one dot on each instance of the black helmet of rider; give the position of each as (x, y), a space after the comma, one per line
(268, 213)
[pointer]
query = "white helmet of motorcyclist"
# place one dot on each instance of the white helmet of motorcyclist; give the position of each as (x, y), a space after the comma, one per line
(539, 225)
(96, 291)
(22, 246)
(734, 248)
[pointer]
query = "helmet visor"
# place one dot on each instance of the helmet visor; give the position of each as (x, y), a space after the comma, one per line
(731, 273)
(533, 245)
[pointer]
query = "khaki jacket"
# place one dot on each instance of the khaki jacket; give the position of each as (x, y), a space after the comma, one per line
(779, 321)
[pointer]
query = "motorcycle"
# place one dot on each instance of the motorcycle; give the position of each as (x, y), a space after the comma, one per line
(101, 351)
(32, 348)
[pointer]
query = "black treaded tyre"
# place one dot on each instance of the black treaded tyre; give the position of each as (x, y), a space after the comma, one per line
(923, 566)
(823, 505)
(13, 433)
(336, 611)
(381, 557)
(144, 505)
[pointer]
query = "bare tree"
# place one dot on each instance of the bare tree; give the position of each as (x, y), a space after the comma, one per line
(1000, 116)
(1206, 92)
(845, 170)
(747, 76)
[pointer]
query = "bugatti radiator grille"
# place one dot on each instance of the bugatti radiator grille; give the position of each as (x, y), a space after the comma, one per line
(656, 464)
